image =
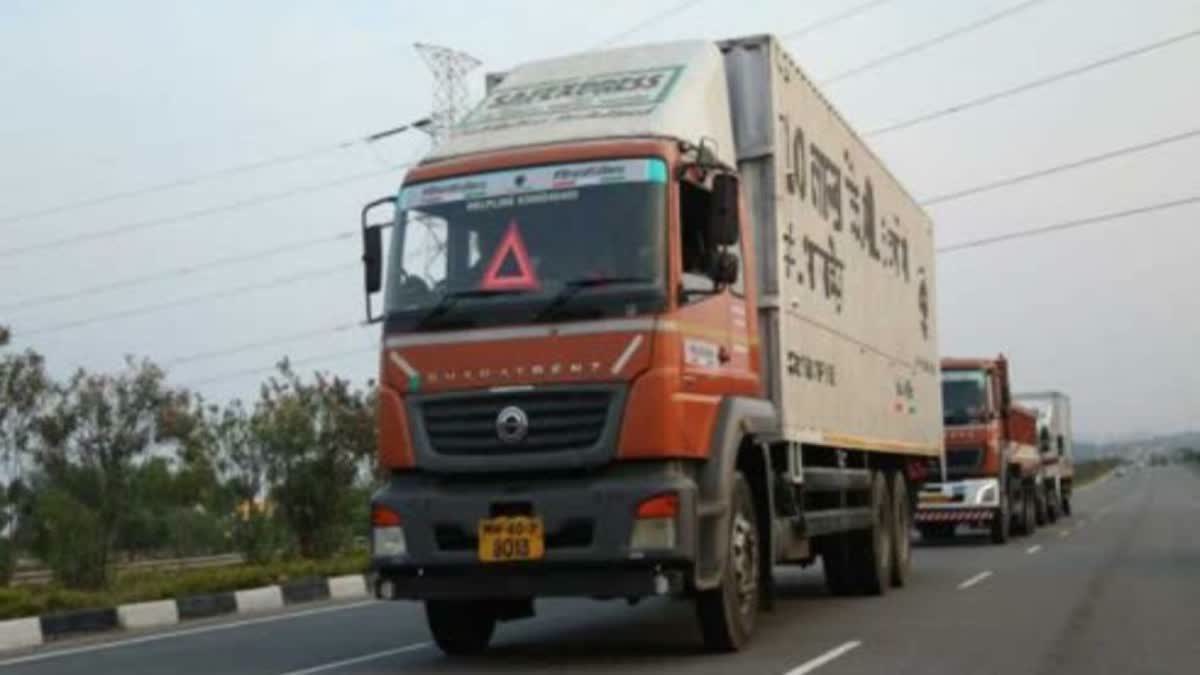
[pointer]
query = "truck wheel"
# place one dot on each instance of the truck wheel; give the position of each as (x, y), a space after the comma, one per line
(1001, 521)
(1053, 506)
(1041, 507)
(460, 627)
(835, 559)
(1066, 505)
(728, 612)
(871, 549)
(1028, 513)
(901, 529)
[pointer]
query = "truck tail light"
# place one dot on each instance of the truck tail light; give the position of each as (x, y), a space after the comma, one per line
(387, 532)
(661, 506)
(382, 516)
(654, 526)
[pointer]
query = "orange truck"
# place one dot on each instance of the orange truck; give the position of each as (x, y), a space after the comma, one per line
(992, 468)
(655, 321)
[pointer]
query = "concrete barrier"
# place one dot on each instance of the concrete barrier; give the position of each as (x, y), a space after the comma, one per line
(148, 614)
(17, 633)
(349, 586)
(259, 599)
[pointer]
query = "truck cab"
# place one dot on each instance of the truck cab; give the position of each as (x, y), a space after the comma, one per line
(992, 469)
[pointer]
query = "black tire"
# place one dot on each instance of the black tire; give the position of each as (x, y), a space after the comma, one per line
(1041, 507)
(1053, 506)
(1028, 513)
(727, 613)
(871, 549)
(1002, 520)
(461, 627)
(1066, 506)
(901, 529)
(835, 559)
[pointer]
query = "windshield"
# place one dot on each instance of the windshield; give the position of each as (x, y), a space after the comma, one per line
(964, 395)
(518, 240)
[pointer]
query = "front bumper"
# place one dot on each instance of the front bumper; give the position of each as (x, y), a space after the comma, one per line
(973, 500)
(588, 521)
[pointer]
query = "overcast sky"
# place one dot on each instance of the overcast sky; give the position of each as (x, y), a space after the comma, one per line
(114, 96)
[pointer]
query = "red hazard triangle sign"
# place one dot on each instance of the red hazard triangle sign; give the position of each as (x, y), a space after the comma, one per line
(498, 277)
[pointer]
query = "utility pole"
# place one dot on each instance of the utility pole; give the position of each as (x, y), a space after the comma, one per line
(450, 95)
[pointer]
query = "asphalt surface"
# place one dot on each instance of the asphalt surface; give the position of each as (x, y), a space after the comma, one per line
(1114, 589)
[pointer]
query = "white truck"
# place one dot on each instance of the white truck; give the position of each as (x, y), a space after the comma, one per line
(655, 321)
(1057, 477)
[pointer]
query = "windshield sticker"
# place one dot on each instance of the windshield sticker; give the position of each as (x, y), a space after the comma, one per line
(520, 183)
(601, 94)
(498, 278)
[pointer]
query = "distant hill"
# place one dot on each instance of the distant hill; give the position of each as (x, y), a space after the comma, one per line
(1164, 443)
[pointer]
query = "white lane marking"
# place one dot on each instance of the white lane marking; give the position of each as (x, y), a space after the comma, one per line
(809, 666)
(1033, 549)
(43, 656)
(974, 580)
(374, 656)
(1064, 534)
(627, 354)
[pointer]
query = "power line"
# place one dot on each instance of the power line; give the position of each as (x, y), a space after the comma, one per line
(832, 19)
(195, 214)
(976, 243)
(674, 9)
(183, 270)
(1034, 84)
(1069, 224)
(1074, 164)
(317, 358)
(202, 177)
(269, 342)
(936, 40)
(192, 299)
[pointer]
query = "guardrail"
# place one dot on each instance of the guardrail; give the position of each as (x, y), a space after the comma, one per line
(42, 576)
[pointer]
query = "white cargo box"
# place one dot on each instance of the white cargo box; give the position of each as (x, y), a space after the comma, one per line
(846, 266)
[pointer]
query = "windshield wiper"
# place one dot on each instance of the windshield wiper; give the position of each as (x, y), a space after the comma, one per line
(449, 300)
(572, 288)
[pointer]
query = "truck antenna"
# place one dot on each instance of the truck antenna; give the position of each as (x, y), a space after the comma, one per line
(450, 96)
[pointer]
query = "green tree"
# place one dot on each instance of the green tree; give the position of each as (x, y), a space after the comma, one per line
(93, 435)
(314, 437)
(24, 391)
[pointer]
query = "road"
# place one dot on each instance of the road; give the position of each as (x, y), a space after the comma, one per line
(1115, 589)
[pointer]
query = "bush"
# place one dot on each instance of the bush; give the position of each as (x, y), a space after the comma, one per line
(194, 532)
(8, 560)
(71, 541)
(259, 537)
(144, 586)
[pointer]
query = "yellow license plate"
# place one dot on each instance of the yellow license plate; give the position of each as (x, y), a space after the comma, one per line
(511, 538)
(934, 498)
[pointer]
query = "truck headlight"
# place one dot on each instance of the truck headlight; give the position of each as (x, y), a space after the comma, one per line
(654, 526)
(387, 532)
(987, 495)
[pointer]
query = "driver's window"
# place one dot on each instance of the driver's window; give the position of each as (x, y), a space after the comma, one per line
(424, 250)
(694, 207)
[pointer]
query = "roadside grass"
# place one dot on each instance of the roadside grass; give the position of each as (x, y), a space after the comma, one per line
(1092, 470)
(144, 586)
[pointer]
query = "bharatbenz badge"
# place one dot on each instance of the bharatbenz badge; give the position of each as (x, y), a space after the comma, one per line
(598, 95)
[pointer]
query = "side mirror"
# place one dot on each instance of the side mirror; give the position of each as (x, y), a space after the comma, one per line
(723, 220)
(1044, 442)
(372, 255)
(372, 258)
(725, 269)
